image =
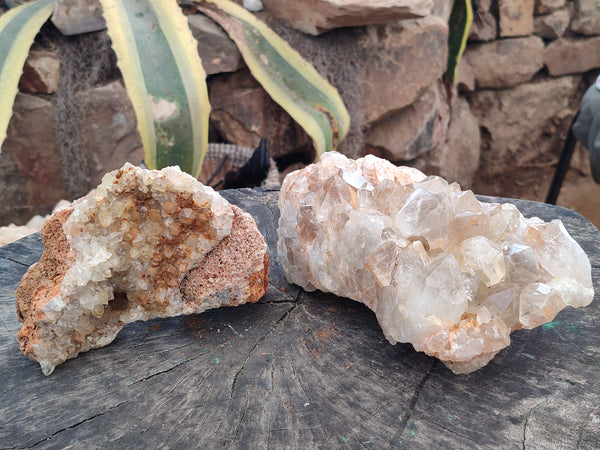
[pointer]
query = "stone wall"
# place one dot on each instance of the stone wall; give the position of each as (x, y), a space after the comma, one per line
(520, 82)
(527, 65)
(525, 69)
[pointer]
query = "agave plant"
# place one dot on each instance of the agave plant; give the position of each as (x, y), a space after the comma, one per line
(459, 23)
(166, 83)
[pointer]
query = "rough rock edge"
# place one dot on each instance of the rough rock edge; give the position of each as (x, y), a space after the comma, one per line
(468, 321)
(243, 254)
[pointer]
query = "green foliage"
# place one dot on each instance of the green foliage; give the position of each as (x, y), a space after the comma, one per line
(18, 27)
(164, 78)
(291, 81)
(459, 24)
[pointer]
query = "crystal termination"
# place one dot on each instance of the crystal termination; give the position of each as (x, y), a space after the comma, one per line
(441, 270)
(146, 244)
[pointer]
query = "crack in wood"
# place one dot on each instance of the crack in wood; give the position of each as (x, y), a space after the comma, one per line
(171, 368)
(15, 261)
(375, 413)
(415, 397)
(269, 433)
(77, 424)
(152, 337)
(475, 443)
(525, 428)
(238, 425)
(204, 401)
(272, 376)
(384, 407)
(362, 444)
(584, 425)
(310, 402)
(281, 320)
(191, 410)
(256, 345)
(527, 416)
(167, 350)
(167, 397)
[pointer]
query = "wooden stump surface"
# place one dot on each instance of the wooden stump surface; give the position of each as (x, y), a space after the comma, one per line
(300, 370)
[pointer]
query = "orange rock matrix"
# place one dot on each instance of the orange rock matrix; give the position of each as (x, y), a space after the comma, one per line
(146, 244)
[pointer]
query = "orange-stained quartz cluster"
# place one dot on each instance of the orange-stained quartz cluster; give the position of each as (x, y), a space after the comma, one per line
(124, 253)
(441, 270)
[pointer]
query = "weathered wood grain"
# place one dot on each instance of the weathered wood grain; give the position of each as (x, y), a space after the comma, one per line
(301, 370)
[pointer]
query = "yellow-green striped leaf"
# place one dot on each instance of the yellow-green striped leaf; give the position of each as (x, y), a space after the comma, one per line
(288, 78)
(18, 27)
(165, 80)
(459, 24)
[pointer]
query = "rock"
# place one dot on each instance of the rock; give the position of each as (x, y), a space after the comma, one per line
(317, 16)
(253, 5)
(505, 62)
(41, 72)
(441, 8)
(459, 158)
(398, 62)
(483, 5)
(147, 244)
(565, 56)
(13, 191)
(31, 181)
(484, 27)
(552, 26)
(548, 6)
(109, 130)
(78, 16)
(335, 55)
(221, 159)
(515, 17)
(14, 232)
(465, 77)
(242, 112)
(441, 270)
(218, 52)
(587, 17)
(413, 130)
(515, 121)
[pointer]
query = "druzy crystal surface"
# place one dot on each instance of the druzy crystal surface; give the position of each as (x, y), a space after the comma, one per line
(146, 244)
(440, 269)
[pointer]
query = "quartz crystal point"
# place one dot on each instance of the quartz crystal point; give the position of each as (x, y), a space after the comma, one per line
(441, 270)
(146, 244)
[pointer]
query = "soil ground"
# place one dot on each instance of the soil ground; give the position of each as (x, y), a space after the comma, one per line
(579, 192)
(582, 195)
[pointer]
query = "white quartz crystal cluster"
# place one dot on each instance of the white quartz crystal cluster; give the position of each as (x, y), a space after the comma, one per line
(441, 270)
(129, 246)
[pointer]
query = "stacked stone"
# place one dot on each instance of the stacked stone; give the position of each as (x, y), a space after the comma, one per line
(520, 82)
(527, 64)
(402, 49)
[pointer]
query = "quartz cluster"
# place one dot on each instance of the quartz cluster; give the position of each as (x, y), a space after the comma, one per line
(145, 244)
(440, 269)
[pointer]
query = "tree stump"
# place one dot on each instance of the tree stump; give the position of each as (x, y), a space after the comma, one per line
(301, 370)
